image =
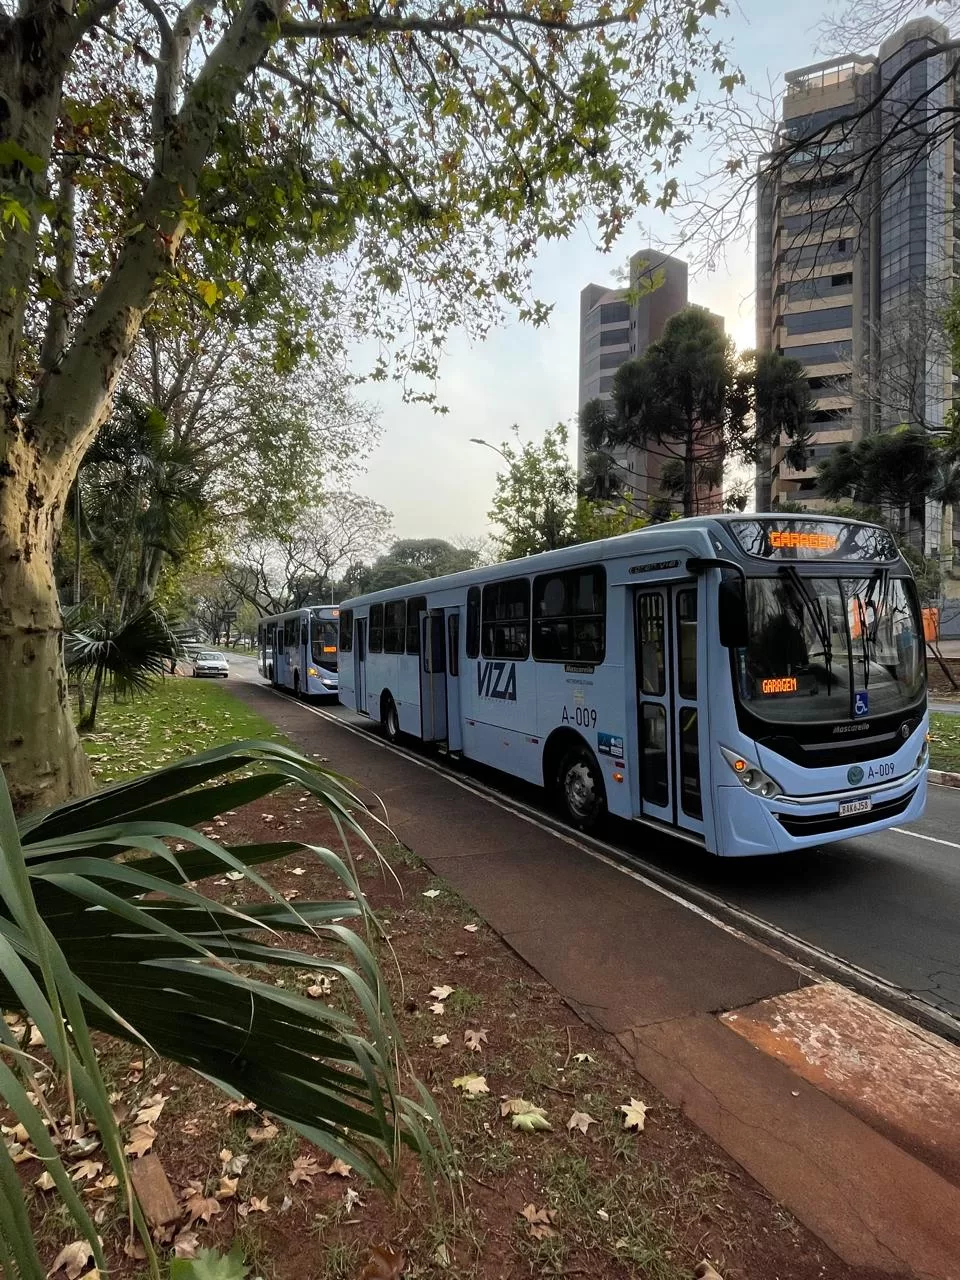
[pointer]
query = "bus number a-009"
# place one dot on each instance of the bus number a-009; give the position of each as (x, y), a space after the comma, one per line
(780, 684)
(585, 717)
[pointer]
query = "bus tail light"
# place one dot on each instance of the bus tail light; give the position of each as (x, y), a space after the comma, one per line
(751, 775)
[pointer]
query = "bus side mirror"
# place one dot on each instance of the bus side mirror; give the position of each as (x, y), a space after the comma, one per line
(732, 613)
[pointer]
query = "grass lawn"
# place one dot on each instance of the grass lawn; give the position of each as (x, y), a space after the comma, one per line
(944, 741)
(177, 718)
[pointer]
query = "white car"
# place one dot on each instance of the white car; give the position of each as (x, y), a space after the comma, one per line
(208, 663)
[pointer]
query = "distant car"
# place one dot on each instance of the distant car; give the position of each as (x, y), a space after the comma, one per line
(208, 663)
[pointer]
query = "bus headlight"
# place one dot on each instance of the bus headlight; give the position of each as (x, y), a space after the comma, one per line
(750, 775)
(311, 671)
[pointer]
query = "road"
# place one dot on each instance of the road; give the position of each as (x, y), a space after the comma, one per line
(887, 903)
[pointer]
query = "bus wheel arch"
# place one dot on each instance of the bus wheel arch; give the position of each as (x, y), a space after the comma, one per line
(389, 716)
(573, 775)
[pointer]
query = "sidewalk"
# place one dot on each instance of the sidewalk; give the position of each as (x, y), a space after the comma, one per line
(847, 1115)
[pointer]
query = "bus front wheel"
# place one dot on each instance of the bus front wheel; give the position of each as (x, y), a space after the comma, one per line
(580, 789)
(390, 719)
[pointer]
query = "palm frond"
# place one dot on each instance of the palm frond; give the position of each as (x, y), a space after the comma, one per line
(131, 654)
(102, 927)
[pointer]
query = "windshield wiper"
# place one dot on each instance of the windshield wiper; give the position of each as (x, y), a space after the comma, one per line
(816, 614)
(883, 579)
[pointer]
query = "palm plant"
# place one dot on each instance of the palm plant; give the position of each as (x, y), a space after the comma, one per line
(128, 655)
(102, 929)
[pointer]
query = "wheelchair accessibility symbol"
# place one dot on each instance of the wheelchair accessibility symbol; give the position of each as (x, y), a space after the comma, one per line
(861, 704)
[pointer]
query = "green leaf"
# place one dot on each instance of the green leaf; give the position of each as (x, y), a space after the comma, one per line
(209, 291)
(210, 1264)
(11, 152)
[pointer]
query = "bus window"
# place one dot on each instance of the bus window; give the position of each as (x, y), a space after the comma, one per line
(415, 606)
(280, 637)
(687, 643)
(323, 642)
(394, 618)
(346, 630)
(569, 616)
(654, 745)
(473, 622)
(650, 636)
(375, 643)
(304, 641)
(506, 619)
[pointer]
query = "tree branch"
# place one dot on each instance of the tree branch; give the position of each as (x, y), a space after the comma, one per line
(65, 271)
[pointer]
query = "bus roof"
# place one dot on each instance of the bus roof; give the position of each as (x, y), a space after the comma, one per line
(708, 534)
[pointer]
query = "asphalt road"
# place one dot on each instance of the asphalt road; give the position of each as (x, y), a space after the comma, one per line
(888, 903)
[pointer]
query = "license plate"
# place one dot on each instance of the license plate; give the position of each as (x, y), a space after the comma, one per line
(856, 806)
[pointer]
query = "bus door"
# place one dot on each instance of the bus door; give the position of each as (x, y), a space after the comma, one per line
(669, 717)
(433, 677)
(360, 664)
(454, 723)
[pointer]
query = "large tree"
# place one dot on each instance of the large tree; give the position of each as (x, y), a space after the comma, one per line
(414, 560)
(697, 407)
(416, 151)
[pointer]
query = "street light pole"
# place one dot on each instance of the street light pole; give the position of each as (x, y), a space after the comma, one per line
(487, 445)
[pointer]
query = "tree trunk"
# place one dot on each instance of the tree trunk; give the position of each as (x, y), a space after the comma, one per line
(689, 473)
(40, 751)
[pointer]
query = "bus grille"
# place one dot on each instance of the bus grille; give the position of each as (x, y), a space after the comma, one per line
(821, 824)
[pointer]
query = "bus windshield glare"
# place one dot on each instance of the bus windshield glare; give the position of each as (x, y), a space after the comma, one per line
(831, 648)
(323, 643)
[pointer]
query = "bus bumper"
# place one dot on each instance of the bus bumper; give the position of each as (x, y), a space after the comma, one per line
(748, 826)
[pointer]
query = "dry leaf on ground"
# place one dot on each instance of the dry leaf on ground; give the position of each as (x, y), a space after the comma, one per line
(634, 1114)
(474, 1039)
(705, 1271)
(441, 993)
(185, 1245)
(304, 1168)
(471, 928)
(524, 1115)
(540, 1221)
(141, 1140)
(436, 1008)
(84, 1170)
(233, 1165)
(440, 1041)
(322, 986)
(45, 1182)
(227, 1188)
(264, 1134)
(150, 1108)
(583, 1057)
(580, 1120)
(199, 1205)
(337, 1168)
(384, 1263)
(472, 1084)
(73, 1258)
(257, 1204)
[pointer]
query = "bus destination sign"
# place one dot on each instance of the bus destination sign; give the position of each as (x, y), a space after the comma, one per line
(772, 538)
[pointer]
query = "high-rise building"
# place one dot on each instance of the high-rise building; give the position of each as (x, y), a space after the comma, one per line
(855, 249)
(618, 325)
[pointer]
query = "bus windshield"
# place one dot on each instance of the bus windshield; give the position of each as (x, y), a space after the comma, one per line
(831, 649)
(323, 643)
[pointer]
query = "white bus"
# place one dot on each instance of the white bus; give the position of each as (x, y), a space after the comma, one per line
(754, 683)
(298, 650)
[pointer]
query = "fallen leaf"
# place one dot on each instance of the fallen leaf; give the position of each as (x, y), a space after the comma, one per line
(264, 1134)
(141, 1140)
(474, 1039)
(471, 1084)
(86, 1169)
(19, 1153)
(524, 1115)
(298, 871)
(441, 1255)
(288, 895)
(338, 1168)
(258, 1205)
(705, 1271)
(149, 1112)
(431, 893)
(322, 987)
(234, 875)
(351, 1198)
(286, 1204)
(133, 1248)
(634, 1114)
(383, 1263)
(437, 1008)
(540, 1221)
(36, 1039)
(232, 1108)
(45, 1182)
(583, 1057)
(199, 1205)
(441, 993)
(185, 1245)
(233, 1165)
(471, 928)
(440, 1041)
(107, 1183)
(304, 1168)
(227, 1188)
(580, 1120)
(73, 1258)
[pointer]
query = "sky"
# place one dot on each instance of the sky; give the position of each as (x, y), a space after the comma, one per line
(425, 469)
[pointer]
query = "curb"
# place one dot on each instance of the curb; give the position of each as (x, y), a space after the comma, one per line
(943, 779)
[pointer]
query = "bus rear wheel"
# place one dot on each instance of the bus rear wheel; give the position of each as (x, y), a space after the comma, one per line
(580, 789)
(390, 719)
(296, 684)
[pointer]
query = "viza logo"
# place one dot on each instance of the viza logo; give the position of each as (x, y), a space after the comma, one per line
(497, 680)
